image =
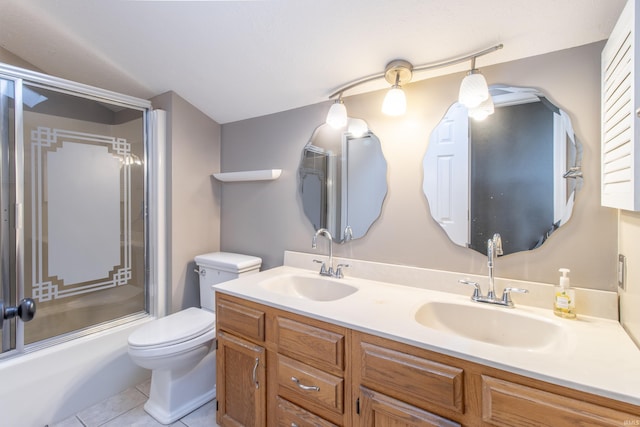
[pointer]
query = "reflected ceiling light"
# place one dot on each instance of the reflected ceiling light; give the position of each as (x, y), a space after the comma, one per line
(474, 88)
(337, 116)
(482, 111)
(357, 127)
(399, 72)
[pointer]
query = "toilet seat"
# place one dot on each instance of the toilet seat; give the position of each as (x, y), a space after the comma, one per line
(170, 351)
(183, 327)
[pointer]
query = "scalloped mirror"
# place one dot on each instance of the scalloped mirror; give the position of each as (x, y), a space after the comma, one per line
(516, 172)
(342, 179)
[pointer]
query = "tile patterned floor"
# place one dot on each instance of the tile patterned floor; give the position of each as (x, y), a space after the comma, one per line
(125, 409)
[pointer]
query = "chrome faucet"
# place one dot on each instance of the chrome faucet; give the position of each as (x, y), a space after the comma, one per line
(324, 271)
(494, 249)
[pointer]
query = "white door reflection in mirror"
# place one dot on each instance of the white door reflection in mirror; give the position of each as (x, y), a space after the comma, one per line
(446, 174)
(362, 183)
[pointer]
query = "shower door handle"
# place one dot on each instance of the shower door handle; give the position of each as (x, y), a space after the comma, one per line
(25, 311)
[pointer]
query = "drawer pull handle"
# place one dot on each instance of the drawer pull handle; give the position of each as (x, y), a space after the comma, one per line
(254, 375)
(305, 387)
(294, 425)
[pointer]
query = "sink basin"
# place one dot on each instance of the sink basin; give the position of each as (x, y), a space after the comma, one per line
(492, 325)
(315, 288)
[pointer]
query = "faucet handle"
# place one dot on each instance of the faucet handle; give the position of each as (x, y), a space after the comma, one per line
(477, 293)
(338, 272)
(323, 268)
(506, 295)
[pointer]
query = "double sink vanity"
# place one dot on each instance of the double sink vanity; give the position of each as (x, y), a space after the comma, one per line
(410, 348)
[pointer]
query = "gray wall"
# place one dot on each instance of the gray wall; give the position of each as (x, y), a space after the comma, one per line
(193, 198)
(266, 218)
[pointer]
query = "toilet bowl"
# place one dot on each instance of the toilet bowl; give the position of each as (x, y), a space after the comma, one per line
(179, 349)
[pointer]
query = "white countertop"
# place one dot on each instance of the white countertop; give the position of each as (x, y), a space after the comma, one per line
(599, 357)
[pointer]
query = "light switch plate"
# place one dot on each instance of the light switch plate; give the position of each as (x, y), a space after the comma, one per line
(622, 271)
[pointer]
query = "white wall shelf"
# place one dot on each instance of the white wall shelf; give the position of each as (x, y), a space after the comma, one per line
(257, 175)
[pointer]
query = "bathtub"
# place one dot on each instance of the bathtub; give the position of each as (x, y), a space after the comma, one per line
(51, 384)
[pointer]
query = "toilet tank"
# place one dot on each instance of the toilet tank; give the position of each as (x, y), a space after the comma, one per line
(218, 267)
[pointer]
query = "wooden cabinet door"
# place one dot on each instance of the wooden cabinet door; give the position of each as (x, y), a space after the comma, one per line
(241, 382)
(379, 410)
(507, 404)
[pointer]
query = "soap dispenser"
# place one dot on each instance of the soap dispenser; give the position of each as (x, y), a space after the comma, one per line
(564, 303)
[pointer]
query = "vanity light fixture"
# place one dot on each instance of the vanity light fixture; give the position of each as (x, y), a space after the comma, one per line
(337, 116)
(473, 89)
(399, 72)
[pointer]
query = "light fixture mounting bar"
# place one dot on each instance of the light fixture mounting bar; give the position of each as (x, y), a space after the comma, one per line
(423, 67)
(398, 72)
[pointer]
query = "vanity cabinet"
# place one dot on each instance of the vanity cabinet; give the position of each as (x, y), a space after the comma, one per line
(322, 374)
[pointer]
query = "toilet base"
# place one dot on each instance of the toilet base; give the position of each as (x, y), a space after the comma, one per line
(161, 415)
(175, 393)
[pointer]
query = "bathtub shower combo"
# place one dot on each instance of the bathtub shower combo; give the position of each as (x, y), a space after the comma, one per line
(79, 236)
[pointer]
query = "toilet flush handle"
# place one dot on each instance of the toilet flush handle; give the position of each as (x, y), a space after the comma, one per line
(200, 271)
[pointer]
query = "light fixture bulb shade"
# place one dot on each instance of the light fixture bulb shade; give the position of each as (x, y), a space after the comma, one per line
(337, 115)
(482, 111)
(473, 89)
(395, 102)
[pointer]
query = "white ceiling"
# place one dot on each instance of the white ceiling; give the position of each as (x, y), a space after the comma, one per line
(240, 59)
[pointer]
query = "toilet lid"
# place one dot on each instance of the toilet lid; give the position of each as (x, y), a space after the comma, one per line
(173, 329)
(229, 262)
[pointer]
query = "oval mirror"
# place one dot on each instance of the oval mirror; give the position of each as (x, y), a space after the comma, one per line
(342, 179)
(515, 172)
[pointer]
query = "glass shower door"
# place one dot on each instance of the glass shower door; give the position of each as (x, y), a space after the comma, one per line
(73, 212)
(84, 213)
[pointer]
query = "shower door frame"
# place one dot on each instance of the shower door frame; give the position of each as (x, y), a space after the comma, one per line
(154, 128)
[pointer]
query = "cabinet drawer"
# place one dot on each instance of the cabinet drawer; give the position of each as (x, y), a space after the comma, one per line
(310, 344)
(507, 404)
(240, 319)
(380, 410)
(411, 378)
(301, 383)
(289, 415)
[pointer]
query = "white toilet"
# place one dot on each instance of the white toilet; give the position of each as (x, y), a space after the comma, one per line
(180, 348)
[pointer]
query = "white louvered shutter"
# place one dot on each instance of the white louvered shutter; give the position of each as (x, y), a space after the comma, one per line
(620, 172)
